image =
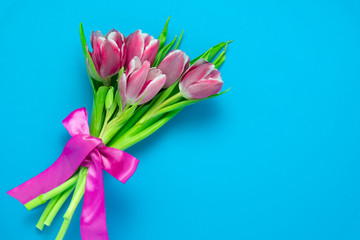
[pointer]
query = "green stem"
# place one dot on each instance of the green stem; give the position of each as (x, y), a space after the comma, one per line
(43, 198)
(57, 206)
(117, 123)
(92, 118)
(170, 100)
(63, 230)
(45, 214)
(128, 142)
(103, 130)
(127, 106)
(110, 131)
(145, 121)
(161, 102)
(78, 194)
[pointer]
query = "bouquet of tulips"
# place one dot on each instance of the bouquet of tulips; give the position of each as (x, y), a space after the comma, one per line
(139, 83)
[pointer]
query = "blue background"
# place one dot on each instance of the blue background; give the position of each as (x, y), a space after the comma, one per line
(277, 157)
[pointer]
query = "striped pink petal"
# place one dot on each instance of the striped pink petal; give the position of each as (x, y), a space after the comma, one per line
(96, 40)
(150, 51)
(136, 81)
(110, 58)
(134, 45)
(203, 89)
(173, 66)
(152, 87)
(197, 72)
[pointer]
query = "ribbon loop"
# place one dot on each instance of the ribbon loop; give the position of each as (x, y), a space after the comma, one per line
(85, 150)
(77, 122)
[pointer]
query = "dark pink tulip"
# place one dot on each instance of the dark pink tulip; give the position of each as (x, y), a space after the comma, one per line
(201, 80)
(108, 52)
(141, 45)
(173, 65)
(140, 81)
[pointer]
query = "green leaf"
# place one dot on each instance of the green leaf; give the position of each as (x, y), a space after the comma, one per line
(163, 35)
(128, 142)
(98, 108)
(114, 106)
(221, 58)
(162, 53)
(130, 123)
(185, 103)
(83, 41)
(209, 54)
(138, 114)
(118, 100)
(90, 67)
(109, 98)
(84, 48)
(178, 42)
(164, 95)
(115, 125)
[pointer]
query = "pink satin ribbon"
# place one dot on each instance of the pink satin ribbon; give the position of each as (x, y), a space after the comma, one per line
(86, 150)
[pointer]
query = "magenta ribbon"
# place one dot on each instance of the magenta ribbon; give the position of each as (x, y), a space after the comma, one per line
(85, 150)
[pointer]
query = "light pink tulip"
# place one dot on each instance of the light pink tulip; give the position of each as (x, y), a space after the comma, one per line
(201, 80)
(173, 65)
(142, 45)
(140, 81)
(108, 52)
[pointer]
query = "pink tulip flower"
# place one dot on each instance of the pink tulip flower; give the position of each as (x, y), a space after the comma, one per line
(173, 65)
(108, 52)
(201, 80)
(140, 82)
(142, 45)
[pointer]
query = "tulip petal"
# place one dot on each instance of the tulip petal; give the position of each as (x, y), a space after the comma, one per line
(119, 38)
(147, 38)
(150, 51)
(134, 45)
(133, 65)
(196, 73)
(153, 73)
(203, 89)
(116, 36)
(151, 88)
(123, 55)
(96, 39)
(110, 58)
(187, 63)
(95, 36)
(136, 81)
(214, 74)
(196, 64)
(173, 66)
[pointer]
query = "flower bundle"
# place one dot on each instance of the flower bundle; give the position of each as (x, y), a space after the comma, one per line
(139, 83)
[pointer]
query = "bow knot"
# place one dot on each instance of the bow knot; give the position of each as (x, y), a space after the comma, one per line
(88, 151)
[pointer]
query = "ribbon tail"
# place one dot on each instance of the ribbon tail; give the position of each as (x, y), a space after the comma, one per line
(93, 218)
(75, 151)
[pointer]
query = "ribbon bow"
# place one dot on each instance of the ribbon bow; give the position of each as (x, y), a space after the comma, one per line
(86, 150)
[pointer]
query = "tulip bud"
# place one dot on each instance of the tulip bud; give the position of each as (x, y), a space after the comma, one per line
(140, 82)
(173, 65)
(141, 45)
(201, 80)
(108, 52)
